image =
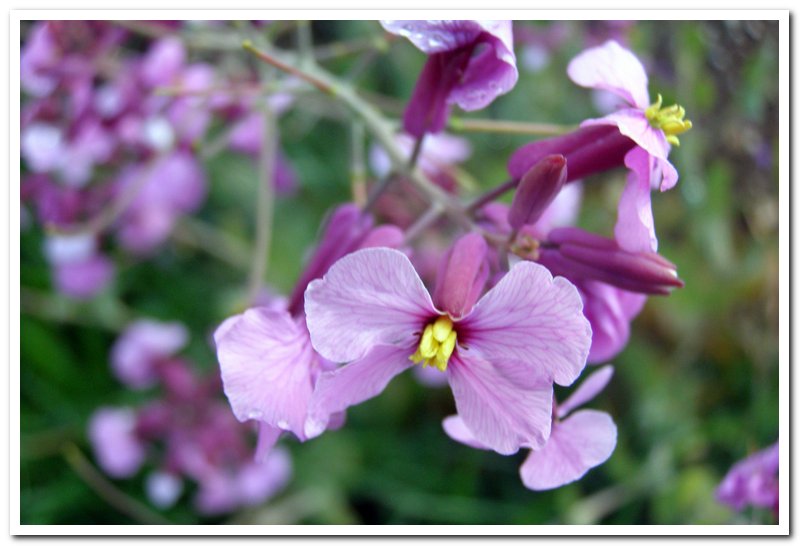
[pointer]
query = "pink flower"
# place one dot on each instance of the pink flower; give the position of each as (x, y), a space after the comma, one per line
(639, 135)
(140, 349)
(469, 63)
(500, 354)
(578, 441)
(112, 433)
(752, 481)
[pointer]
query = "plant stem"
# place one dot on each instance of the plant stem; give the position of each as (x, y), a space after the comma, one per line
(491, 195)
(108, 491)
(229, 249)
(428, 218)
(358, 169)
(264, 206)
(322, 85)
(509, 127)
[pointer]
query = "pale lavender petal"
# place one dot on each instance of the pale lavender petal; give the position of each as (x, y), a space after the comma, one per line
(267, 438)
(585, 440)
(635, 228)
(634, 125)
(612, 68)
(752, 481)
(368, 298)
(533, 318)
(137, 351)
(257, 481)
(435, 36)
(83, 280)
(587, 390)
(668, 176)
(69, 248)
(490, 73)
(429, 376)
(610, 311)
(266, 358)
(455, 428)
(505, 405)
(352, 384)
(112, 435)
(42, 146)
(163, 489)
(163, 62)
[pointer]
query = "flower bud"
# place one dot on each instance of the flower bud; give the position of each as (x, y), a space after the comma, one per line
(537, 189)
(462, 275)
(581, 255)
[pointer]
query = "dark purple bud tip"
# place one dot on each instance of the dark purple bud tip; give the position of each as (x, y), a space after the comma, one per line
(582, 255)
(537, 189)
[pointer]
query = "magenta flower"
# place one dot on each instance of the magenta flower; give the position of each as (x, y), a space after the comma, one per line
(578, 441)
(639, 135)
(752, 481)
(469, 63)
(500, 354)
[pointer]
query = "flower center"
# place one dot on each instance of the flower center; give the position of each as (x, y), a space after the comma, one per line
(436, 344)
(669, 119)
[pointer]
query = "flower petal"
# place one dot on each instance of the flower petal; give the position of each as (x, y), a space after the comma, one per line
(576, 445)
(490, 73)
(610, 311)
(368, 298)
(435, 36)
(266, 359)
(455, 428)
(352, 384)
(612, 68)
(634, 125)
(531, 317)
(587, 390)
(502, 412)
(635, 229)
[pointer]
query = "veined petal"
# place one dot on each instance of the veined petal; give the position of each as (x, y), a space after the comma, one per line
(266, 358)
(533, 318)
(368, 298)
(436, 36)
(501, 413)
(610, 311)
(587, 390)
(490, 73)
(612, 68)
(455, 428)
(633, 124)
(581, 442)
(352, 384)
(635, 229)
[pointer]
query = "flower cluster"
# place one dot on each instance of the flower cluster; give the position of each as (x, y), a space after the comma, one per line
(184, 433)
(514, 302)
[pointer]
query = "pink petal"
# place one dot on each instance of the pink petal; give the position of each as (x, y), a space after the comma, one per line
(490, 73)
(634, 125)
(504, 406)
(266, 359)
(612, 68)
(455, 428)
(352, 384)
(112, 433)
(531, 317)
(368, 298)
(435, 36)
(267, 438)
(668, 175)
(587, 390)
(635, 228)
(610, 311)
(576, 445)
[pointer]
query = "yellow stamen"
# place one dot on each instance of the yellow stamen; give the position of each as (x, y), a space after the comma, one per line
(669, 119)
(436, 344)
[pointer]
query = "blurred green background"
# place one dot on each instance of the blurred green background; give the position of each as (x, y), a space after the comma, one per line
(695, 390)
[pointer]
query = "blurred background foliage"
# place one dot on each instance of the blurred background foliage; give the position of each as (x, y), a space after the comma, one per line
(695, 390)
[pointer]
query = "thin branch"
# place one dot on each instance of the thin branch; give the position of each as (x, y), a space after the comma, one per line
(108, 491)
(491, 195)
(509, 127)
(220, 245)
(323, 86)
(358, 168)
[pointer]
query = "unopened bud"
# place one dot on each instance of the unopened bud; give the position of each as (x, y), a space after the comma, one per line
(582, 255)
(462, 275)
(537, 189)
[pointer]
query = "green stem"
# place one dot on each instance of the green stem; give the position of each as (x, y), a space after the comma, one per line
(219, 244)
(508, 127)
(108, 491)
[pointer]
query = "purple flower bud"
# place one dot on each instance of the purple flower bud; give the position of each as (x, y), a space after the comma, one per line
(588, 150)
(580, 255)
(462, 275)
(537, 189)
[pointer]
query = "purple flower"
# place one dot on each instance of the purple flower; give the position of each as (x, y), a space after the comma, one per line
(500, 354)
(268, 365)
(469, 63)
(85, 278)
(112, 433)
(752, 481)
(140, 349)
(639, 135)
(578, 441)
